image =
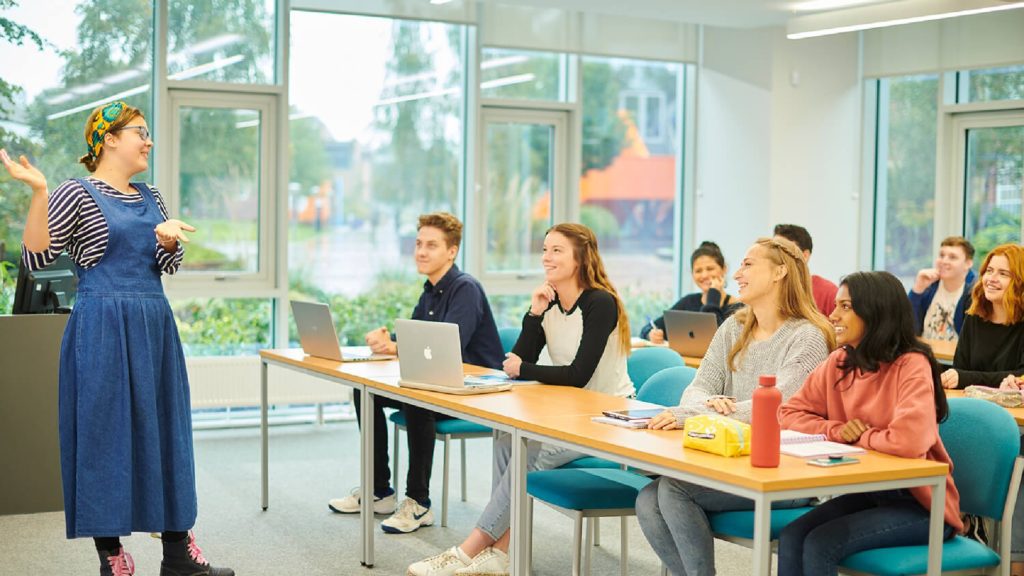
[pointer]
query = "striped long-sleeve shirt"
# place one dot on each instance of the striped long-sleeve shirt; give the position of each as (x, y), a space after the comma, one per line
(78, 227)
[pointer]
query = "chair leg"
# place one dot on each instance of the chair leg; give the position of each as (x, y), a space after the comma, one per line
(444, 485)
(394, 463)
(577, 537)
(463, 469)
(528, 560)
(591, 522)
(623, 547)
(597, 531)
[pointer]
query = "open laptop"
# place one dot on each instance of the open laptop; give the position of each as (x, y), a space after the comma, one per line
(690, 333)
(320, 339)
(430, 358)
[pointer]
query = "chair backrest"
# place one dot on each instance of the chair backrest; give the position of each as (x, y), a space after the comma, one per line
(983, 441)
(645, 362)
(508, 337)
(667, 386)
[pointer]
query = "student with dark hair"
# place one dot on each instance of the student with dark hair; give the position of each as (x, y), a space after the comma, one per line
(881, 391)
(707, 265)
(941, 295)
(824, 290)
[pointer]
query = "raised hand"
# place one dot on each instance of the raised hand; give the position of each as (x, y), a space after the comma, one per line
(23, 171)
(172, 231)
(541, 299)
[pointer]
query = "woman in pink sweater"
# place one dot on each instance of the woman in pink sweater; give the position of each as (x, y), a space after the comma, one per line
(881, 390)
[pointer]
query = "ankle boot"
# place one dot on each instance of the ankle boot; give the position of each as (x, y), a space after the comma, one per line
(116, 563)
(184, 558)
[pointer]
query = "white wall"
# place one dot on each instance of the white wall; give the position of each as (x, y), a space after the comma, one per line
(779, 140)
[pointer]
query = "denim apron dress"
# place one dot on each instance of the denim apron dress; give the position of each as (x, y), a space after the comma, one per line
(125, 421)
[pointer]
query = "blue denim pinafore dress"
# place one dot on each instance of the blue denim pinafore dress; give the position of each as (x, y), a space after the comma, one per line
(125, 415)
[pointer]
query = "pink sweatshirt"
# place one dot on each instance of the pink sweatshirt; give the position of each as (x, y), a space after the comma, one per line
(898, 404)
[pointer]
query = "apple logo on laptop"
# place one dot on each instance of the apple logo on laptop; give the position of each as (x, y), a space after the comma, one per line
(427, 353)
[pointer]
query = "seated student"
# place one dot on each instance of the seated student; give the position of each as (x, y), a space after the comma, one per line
(708, 268)
(578, 315)
(449, 295)
(781, 332)
(942, 294)
(991, 345)
(824, 290)
(881, 391)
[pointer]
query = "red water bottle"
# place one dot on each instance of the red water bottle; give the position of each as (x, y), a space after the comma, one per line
(765, 430)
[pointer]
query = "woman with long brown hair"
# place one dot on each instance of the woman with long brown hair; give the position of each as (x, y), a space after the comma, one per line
(125, 417)
(578, 315)
(780, 331)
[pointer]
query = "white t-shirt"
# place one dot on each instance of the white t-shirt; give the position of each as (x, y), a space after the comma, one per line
(938, 320)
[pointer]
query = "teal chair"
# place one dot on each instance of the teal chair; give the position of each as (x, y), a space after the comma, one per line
(508, 337)
(446, 431)
(592, 488)
(646, 362)
(984, 442)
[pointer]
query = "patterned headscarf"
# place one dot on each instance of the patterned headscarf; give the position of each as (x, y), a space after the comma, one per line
(102, 124)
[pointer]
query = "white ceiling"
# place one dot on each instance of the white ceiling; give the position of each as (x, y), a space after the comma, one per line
(727, 13)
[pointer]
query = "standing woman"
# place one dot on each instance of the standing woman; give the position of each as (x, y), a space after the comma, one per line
(577, 314)
(125, 420)
(880, 391)
(781, 332)
(707, 265)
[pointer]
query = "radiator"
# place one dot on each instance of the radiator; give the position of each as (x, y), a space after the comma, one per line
(233, 381)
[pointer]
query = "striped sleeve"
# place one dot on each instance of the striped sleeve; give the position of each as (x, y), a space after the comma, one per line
(66, 209)
(169, 262)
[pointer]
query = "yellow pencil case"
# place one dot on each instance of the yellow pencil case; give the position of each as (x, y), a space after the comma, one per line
(717, 434)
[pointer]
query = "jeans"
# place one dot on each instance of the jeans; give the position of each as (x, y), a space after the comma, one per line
(420, 436)
(496, 517)
(815, 543)
(674, 517)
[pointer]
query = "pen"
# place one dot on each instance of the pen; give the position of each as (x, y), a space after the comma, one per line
(651, 322)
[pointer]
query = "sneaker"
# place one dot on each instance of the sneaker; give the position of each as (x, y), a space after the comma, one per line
(489, 562)
(443, 564)
(350, 504)
(185, 558)
(409, 518)
(117, 563)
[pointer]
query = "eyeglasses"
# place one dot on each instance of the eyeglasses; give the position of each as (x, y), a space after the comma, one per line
(142, 130)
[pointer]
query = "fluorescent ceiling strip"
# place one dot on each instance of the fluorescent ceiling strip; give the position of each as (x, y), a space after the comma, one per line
(814, 5)
(826, 31)
(95, 103)
(208, 67)
(504, 61)
(508, 81)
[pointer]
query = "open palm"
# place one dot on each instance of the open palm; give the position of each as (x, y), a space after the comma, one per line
(23, 171)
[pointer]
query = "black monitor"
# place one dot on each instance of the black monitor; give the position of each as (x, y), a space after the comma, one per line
(47, 291)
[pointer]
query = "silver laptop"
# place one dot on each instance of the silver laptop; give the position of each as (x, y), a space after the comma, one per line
(430, 358)
(690, 333)
(320, 339)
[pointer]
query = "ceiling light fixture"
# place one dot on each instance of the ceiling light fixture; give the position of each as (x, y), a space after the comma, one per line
(893, 14)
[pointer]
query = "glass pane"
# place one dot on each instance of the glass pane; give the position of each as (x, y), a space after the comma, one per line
(509, 309)
(220, 188)
(222, 326)
(994, 84)
(518, 182)
(905, 178)
(55, 83)
(629, 186)
(994, 180)
(521, 74)
(221, 40)
(371, 150)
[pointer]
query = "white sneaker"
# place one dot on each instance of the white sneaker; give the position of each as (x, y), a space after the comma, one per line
(350, 504)
(409, 517)
(489, 562)
(443, 564)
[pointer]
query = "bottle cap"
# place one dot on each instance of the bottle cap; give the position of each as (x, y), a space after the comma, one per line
(766, 380)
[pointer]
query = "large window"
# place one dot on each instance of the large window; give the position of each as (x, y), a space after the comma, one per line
(221, 40)
(522, 74)
(372, 149)
(991, 84)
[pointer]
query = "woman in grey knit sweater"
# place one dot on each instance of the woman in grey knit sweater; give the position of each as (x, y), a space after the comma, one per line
(780, 332)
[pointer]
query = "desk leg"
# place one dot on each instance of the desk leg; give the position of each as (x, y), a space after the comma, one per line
(935, 528)
(762, 536)
(366, 471)
(519, 527)
(264, 443)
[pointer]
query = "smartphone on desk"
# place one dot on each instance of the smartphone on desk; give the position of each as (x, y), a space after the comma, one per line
(828, 461)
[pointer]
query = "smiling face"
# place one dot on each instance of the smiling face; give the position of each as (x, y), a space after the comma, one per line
(952, 263)
(127, 148)
(704, 269)
(848, 325)
(757, 277)
(559, 260)
(995, 279)
(433, 253)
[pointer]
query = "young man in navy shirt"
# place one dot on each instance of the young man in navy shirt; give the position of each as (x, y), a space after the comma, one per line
(449, 295)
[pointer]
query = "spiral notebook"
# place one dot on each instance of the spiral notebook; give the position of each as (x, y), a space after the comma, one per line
(813, 445)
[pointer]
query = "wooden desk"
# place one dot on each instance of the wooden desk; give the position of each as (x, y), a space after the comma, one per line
(561, 416)
(943, 350)
(691, 361)
(1017, 413)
